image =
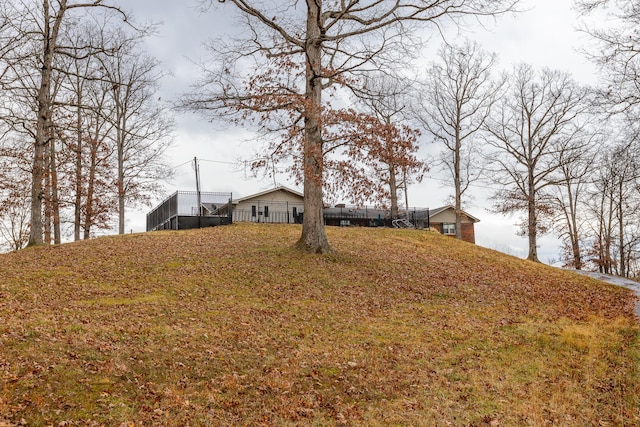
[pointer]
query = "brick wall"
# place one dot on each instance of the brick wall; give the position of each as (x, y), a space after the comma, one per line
(468, 231)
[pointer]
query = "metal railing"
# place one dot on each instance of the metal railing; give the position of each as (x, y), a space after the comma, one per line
(365, 216)
(272, 217)
(368, 216)
(185, 203)
(219, 205)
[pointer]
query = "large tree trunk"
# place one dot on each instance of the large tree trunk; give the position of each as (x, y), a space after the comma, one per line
(608, 269)
(575, 234)
(575, 248)
(77, 213)
(121, 193)
(621, 236)
(393, 193)
(55, 199)
(120, 135)
(314, 237)
(457, 181)
(532, 225)
(40, 149)
(46, 182)
(43, 119)
(88, 219)
(35, 234)
(533, 241)
(532, 231)
(601, 235)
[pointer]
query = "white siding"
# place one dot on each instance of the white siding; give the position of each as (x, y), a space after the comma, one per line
(280, 207)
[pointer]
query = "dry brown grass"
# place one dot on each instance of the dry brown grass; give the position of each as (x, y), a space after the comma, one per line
(231, 326)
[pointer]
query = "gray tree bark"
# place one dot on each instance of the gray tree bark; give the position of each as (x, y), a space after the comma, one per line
(314, 237)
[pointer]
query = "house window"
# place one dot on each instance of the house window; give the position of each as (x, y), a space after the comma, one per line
(448, 229)
(266, 211)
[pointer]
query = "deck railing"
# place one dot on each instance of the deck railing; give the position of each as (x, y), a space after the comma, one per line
(189, 203)
(208, 207)
(273, 217)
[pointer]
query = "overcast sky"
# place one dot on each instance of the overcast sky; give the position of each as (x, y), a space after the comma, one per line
(544, 35)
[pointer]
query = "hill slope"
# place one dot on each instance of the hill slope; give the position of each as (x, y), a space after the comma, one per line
(230, 326)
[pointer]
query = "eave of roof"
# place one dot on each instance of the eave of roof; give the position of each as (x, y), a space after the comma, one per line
(263, 193)
(436, 211)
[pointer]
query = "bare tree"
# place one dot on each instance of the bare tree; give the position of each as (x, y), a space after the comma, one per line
(52, 157)
(14, 203)
(618, 57)
(573, 178)
(458, 94)
(529, 132)
(86, 134)
(624, 203)
(600, 205)
(295, 51)
(142, 128)
(35, 29)
(83, 124)
(614, 206)
(618, 51)
(14, 221)
(88, 128)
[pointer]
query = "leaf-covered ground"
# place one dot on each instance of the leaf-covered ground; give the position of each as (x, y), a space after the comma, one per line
(231, 326)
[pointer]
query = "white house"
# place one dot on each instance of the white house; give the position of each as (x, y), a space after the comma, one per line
(278, 205)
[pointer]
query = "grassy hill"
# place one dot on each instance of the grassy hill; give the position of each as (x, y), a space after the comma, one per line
(230, 326)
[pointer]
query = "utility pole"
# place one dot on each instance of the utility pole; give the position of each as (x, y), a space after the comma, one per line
(197, 169)
(406, 192)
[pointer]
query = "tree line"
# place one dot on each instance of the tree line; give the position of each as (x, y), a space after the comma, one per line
(82, 128)
(561, 154)
(328, 87)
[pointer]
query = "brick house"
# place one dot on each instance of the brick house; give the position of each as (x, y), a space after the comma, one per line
(443, 219)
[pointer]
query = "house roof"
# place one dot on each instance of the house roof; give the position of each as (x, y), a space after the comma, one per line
(436, 211)
(264, 193)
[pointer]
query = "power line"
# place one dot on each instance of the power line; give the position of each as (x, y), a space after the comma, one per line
(181, 164)
(203, 160)
(471, 184)
(218, 161)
